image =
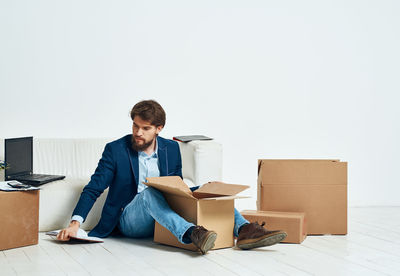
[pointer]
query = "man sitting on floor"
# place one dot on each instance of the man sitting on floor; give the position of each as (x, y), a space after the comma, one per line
(132, 207)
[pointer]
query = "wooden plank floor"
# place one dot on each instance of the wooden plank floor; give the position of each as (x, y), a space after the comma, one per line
(372, 247)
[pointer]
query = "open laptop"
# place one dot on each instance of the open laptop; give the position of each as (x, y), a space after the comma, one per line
(19, 159)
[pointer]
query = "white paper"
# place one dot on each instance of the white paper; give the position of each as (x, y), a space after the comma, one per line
(80, 235)
(5, 187)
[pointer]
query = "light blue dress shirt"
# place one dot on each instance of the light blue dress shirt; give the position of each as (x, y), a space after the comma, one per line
(148, 167)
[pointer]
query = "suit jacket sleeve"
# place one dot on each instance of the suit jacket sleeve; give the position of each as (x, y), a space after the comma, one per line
(178, 168)
(100, 180)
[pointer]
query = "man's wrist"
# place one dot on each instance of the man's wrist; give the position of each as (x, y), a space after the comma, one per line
(77, 218)
(74, 223)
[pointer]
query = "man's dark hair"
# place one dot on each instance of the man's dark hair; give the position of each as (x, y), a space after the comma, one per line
(151, 111)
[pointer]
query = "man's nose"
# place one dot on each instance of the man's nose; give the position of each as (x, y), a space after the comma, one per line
(139, 132)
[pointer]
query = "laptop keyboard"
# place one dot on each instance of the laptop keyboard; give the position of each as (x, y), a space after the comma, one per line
(36, 176)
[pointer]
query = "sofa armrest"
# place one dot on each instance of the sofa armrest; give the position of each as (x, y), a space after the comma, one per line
(201, 162)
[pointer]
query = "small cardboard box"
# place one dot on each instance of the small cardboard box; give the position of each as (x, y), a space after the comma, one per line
(211, 206)
(293, 223)
(19, 216)
(316, 187)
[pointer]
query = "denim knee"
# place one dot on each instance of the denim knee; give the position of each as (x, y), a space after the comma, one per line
(151, 193)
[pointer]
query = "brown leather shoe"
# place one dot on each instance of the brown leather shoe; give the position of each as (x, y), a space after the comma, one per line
(255, 235)
(203, 239)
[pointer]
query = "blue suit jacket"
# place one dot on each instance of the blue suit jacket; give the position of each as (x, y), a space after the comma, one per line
(118, 169)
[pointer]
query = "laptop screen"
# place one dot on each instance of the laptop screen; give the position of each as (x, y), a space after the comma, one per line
(18, 156)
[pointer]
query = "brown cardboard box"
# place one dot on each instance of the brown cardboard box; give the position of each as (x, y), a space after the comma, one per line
(211, 206)
(294, 224)
(316, 187)
(19, 216)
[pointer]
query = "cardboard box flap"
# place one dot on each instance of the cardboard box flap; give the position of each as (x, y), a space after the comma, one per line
(302, 172)
(224, 197)
(169, 184)
(218, 189)
(293, 160)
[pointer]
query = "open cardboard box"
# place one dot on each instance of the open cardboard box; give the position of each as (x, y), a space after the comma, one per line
(212, 206)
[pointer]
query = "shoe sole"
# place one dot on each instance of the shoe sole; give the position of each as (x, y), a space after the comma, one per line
(267, 241)
(208, 243)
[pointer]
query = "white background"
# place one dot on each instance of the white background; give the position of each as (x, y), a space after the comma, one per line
(267, 79)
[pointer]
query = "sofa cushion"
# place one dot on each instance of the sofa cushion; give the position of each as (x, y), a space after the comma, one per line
(58, 200)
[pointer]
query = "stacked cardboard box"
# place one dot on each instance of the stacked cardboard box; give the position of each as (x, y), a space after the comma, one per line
(19, 218)
(294, 224)
(316, 187)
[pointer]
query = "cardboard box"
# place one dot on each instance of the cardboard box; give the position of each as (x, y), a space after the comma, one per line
(211, 206)
(294, 224)
(316, 187)
(19, 216)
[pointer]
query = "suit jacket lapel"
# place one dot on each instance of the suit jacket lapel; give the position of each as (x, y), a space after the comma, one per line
(134, 160)
(162, 157)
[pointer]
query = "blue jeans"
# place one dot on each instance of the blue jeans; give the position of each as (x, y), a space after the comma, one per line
(137, 219)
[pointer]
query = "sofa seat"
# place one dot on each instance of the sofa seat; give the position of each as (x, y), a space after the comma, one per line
(57, 201)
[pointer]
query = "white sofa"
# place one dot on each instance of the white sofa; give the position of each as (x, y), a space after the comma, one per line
(77, 159)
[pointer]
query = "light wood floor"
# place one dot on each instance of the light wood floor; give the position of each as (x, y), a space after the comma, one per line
(372, 247)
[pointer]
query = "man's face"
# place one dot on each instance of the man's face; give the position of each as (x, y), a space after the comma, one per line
(143, 134)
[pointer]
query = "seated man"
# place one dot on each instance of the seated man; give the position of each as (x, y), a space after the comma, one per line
(132, 207)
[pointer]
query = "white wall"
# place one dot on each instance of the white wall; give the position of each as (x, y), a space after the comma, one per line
(267, 79)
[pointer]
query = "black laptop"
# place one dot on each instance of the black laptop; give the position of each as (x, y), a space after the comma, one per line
(19, 159)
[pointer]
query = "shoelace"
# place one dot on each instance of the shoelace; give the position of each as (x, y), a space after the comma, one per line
(198, 231)
(262, 224)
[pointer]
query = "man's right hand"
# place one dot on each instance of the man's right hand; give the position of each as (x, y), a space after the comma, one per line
(70, 231)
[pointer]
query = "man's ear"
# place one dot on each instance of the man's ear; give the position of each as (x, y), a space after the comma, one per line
(158, 129)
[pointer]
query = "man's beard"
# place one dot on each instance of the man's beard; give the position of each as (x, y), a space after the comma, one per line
(137, 147)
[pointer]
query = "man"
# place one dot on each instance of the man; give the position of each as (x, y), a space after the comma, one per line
(132, 207)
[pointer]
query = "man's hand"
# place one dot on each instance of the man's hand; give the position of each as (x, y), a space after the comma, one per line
(70, 231)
